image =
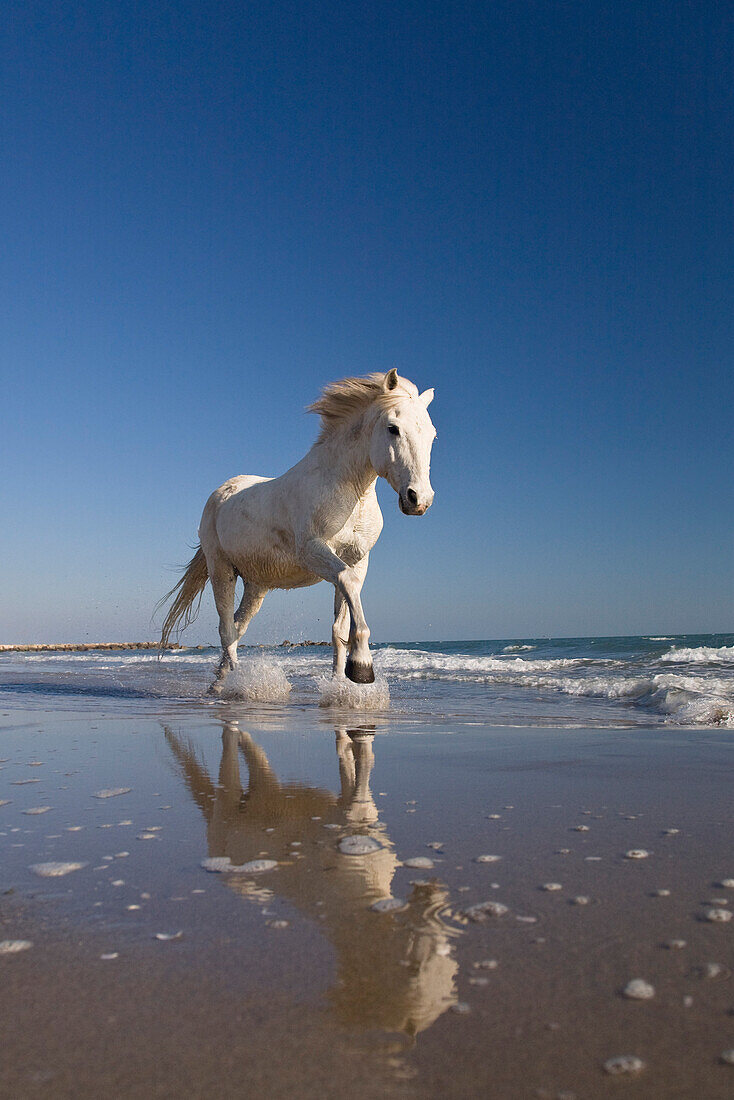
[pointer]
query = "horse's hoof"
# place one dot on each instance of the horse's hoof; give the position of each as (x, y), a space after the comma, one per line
(359, 673)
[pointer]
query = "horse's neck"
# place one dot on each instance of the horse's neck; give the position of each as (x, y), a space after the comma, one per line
(343, 464)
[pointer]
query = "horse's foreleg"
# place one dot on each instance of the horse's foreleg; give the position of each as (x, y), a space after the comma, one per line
(250, 604)
(321, 560)
(358, 665)
(340, 632)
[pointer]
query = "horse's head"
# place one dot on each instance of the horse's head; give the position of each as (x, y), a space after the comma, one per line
(402, 439)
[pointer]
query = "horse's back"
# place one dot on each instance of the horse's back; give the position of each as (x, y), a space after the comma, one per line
(230, 488)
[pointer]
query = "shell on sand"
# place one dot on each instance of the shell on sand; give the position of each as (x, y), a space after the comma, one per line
(487, 859)
(55, 870)
(636, 853)
(623, 1064)
(14, 947)
(639, 990)
(224, 865)
(484, 909)
(388, 905)
(717, 916)
(358, 845)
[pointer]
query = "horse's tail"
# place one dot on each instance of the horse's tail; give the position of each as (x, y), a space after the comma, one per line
(182, 611)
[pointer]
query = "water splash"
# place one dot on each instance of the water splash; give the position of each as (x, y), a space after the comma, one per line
(258, 680)
(337, 691)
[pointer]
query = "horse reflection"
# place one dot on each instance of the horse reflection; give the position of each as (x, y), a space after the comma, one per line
(395, 971)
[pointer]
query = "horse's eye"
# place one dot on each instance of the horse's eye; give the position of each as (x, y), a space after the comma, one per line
(393, 429)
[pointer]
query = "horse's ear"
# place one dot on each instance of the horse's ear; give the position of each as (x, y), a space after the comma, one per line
(391, 380)
(426, 397)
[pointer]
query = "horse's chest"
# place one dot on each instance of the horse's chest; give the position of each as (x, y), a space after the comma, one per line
(359, 534)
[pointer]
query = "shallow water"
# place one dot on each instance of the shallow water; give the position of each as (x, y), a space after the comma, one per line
(684, 680)
(403, 971)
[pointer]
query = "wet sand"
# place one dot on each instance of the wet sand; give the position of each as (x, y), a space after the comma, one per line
(286, 981)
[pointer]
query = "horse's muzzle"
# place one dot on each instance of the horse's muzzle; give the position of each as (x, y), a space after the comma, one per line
(411, 507)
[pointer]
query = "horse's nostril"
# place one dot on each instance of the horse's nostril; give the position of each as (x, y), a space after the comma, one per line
(412, 496)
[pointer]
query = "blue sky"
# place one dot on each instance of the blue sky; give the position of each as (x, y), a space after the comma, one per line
(210, 210)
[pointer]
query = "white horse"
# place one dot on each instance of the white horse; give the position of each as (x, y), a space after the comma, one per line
(318, 521)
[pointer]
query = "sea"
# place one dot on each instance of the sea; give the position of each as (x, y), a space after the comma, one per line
(684, 680)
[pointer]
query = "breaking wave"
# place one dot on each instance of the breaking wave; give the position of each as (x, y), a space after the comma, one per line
(704, 655)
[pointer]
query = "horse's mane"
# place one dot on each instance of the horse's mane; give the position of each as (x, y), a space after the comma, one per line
(343, 400)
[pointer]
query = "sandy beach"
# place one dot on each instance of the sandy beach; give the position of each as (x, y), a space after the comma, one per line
(292, 963)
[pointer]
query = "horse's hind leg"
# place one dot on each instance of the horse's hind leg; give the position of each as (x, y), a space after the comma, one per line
(224, 581)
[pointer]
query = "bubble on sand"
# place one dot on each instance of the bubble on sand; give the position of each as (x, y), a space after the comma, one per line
(437, 845)
(110, 955)
(111, 792)
(132, 908)
(671, 832)
(147, 836)
(662, 893)
(24, 782)
(484, 909)
(624, 1064)
(726, 883)
(638, 990)
(117, 882)
(55, 870)
(581, 899)
(37, 810)
(717, 916)
(714, 970)
(581, 828)
(551, 887)
(419, 862)
(675, 945)
(14, 947)
(487, 859)
(727, 1057)
(74, 828)
(461, 1008)
(636, 853)
(388, 905)
(486, 964)
(168, 935)
(479, 981)
(340, 692)
(278, 924)
(257, 680)
(121, 855)
(358, 845)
